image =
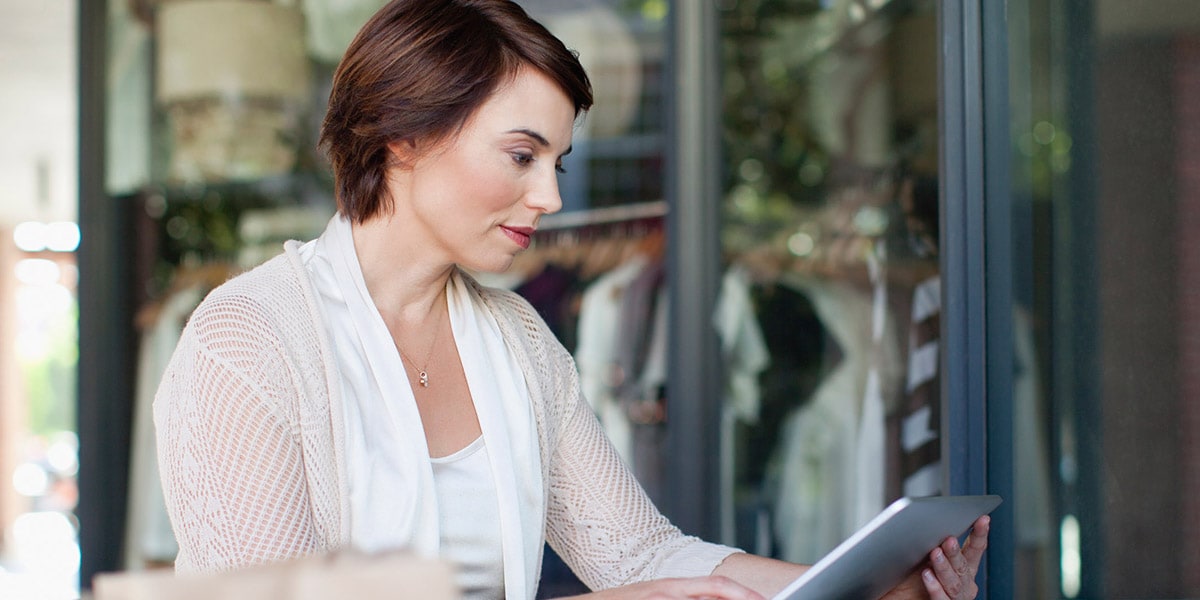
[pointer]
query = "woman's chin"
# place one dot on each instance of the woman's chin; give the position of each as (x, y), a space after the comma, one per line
(493, 267)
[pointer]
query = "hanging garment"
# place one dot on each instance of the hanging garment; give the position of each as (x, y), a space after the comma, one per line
(745, 355)
(829, 456)
(919, 413)
(596, 351)
(802, 353)
(883, 376)
(551, 292)
(641, 366)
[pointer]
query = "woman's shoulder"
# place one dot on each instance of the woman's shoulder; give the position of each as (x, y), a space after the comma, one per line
(263, 279)
(269, 294)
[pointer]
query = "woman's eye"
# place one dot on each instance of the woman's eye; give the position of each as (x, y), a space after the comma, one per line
(522, 159)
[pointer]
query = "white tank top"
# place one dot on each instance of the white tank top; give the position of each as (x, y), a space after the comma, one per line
(469, 518)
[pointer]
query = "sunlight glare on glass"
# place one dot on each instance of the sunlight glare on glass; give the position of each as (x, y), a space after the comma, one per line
(30, 480)
(1071, 561)
(45, 545)
(36, 271)
(30, 236)
(40, 308)
(62, 236)
(63, 454)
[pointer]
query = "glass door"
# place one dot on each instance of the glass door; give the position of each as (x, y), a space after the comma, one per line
(1105, 152)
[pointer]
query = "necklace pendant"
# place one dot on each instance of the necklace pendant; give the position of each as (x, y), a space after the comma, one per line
(424, 379)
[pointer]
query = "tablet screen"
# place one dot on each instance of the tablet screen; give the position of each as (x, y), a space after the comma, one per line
(884, 551)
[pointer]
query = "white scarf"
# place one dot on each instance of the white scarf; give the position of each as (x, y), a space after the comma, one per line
(502, 404)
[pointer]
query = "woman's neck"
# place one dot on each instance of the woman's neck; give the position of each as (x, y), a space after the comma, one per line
(406, 281)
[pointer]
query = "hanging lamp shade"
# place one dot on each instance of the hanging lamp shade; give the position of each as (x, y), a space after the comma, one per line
(233, 82)
(230, 48)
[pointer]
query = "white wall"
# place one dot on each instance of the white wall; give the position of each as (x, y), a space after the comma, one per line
(37, 110)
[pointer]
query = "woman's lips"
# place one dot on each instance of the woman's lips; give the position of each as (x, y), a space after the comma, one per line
(520, 235)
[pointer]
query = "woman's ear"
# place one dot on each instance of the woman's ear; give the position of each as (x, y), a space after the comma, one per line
(404, 152)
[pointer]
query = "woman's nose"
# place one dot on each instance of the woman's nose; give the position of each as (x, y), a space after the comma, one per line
(545, 197)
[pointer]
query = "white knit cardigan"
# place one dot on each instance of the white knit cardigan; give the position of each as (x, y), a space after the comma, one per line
(251, 443)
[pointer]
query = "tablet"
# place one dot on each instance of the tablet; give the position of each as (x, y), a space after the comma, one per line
(884, 551)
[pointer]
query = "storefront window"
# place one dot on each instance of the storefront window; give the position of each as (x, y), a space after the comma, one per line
(1106, 219)
(830, 304)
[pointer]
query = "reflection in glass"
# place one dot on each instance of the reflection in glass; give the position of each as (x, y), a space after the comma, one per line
(1104, 198)
(830, 308)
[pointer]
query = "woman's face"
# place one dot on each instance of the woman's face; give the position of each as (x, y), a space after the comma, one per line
(476, 199)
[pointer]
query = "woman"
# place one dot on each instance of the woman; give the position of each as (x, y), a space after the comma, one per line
(361, 390)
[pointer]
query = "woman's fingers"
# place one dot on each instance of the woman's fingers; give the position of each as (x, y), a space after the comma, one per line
(955, 557)
(950, 578)
(950, 572)
(978, 540)
(933, 586)
(952, 569)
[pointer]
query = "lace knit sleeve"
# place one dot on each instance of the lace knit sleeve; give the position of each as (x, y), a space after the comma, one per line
(229, 453)
(600, 520)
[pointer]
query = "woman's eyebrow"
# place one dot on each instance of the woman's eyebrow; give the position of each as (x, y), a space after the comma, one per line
(539, 138)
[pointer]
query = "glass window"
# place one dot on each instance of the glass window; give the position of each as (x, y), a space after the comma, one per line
(830, 303)
(1106, 319)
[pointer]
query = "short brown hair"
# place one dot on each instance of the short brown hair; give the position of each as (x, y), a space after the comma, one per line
(417, 71)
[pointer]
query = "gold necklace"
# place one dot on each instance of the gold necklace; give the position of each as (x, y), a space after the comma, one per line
(423, 372)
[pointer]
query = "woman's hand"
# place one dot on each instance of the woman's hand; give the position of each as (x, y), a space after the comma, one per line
(949, 573)
(713, 587)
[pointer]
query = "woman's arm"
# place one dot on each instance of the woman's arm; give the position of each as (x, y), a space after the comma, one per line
(764, 575)
(948, 574)
(232, 467)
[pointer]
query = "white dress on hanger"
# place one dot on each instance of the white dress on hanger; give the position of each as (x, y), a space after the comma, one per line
(832, 465)
(746, 356)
